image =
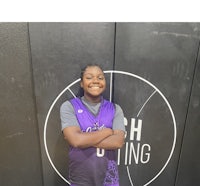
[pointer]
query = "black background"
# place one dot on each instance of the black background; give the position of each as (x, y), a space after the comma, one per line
(38, 60)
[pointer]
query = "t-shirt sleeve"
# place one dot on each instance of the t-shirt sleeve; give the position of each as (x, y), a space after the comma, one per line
(67, 115)
(118, 121)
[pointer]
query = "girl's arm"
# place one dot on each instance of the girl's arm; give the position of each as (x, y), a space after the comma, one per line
(114, 141)
(79, 139)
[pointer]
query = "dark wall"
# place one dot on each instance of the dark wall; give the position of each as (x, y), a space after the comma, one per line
(20, 162)
(188, 170)
(166, 55)
(39, 60)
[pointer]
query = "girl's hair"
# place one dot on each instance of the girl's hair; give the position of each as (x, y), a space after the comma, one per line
(88, 65)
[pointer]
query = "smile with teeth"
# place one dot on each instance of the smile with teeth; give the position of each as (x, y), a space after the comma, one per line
(95, 87)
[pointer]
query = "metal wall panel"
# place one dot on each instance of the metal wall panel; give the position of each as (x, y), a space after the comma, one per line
(162, 55)
(189, 166)
(59, 50)
(20, 162)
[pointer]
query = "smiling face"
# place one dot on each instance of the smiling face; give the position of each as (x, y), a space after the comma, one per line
(93, 83)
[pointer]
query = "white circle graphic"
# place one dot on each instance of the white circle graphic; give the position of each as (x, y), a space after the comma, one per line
(128, 74)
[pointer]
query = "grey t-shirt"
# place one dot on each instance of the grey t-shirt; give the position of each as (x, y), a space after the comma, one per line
(68, 117)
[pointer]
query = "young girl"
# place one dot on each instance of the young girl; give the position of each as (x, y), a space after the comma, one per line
(94, 128)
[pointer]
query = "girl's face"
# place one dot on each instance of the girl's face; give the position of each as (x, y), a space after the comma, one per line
(93, 83)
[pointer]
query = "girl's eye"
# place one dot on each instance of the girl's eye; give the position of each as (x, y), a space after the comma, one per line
(92, 77)
(101, 78)
(88, 77)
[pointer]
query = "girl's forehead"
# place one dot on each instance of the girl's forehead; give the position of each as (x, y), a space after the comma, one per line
(93, 70)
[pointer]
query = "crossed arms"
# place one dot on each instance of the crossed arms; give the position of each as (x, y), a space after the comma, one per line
(105, 138)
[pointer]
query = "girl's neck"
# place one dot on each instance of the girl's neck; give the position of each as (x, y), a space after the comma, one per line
(92, 99)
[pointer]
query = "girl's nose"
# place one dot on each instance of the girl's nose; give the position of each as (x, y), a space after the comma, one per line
(96, 79)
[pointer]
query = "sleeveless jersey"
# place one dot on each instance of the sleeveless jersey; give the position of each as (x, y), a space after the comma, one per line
(93, 166)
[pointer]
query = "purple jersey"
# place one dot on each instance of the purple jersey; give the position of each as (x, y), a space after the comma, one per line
(93, 166)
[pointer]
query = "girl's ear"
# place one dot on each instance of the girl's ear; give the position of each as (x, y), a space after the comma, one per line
(81, 84)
